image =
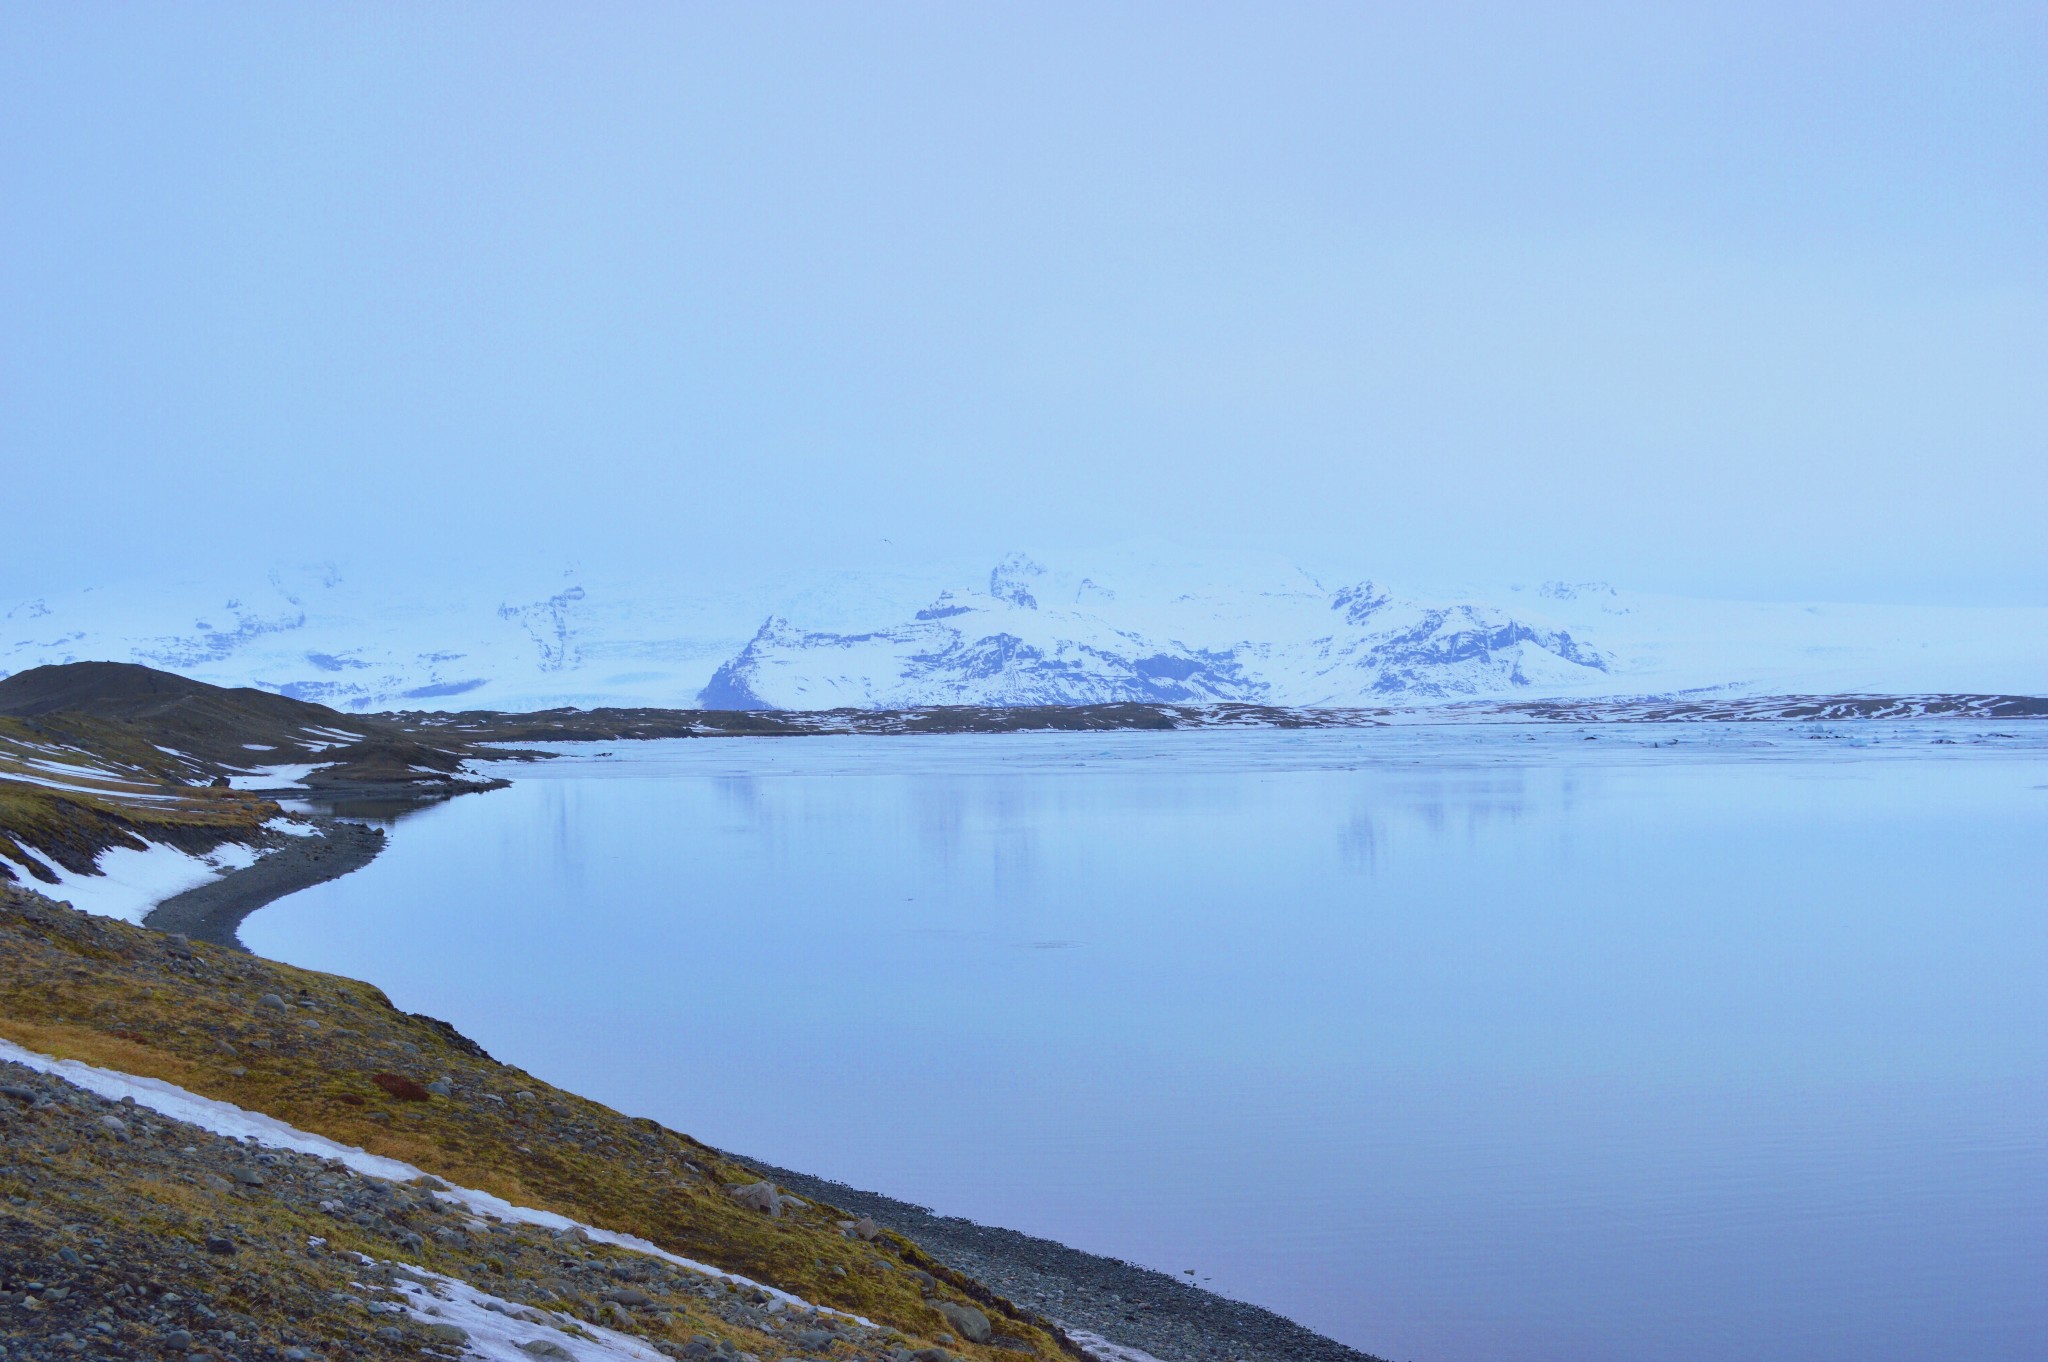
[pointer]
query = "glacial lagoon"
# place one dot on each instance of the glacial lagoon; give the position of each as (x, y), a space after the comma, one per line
(1622, 1042)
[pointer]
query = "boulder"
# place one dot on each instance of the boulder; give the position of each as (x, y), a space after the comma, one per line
(967, 1321)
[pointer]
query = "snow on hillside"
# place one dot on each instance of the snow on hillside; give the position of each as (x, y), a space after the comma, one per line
(1132, 628)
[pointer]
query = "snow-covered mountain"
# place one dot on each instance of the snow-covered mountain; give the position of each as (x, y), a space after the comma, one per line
(1022, 633)
(1035, 637)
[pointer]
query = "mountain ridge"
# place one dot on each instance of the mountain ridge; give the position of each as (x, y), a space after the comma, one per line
(1017, 633)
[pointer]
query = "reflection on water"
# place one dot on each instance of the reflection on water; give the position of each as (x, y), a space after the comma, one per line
(1456, 1044)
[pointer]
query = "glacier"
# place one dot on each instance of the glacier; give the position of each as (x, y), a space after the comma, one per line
(1131, 628)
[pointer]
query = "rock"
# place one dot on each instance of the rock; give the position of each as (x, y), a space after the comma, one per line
(764, 1196)
(220, 1244)
(176, 1341)
(247, 1177)
(542, 1347)
(447, 1333)
(441, 1087)
(18, 1093)
(969, 1322)
(627, 1295)
(933, 1355)
(115, 1124)
(271, 1001)
(615, 1315)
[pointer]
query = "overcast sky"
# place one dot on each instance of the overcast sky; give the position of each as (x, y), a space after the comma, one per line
(1745, 300)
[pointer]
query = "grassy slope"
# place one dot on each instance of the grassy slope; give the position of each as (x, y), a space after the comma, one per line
(126, 998)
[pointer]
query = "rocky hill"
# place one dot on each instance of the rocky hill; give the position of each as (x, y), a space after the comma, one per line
(103, 758)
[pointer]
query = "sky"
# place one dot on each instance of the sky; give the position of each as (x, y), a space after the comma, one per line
(1718, 299)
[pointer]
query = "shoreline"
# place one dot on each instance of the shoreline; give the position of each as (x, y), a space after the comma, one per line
(1127, 1306)
(214, 912)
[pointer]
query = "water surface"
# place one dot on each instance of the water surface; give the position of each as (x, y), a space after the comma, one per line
(1456, 1044)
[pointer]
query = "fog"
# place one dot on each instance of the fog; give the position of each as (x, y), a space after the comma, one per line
(1736, 300)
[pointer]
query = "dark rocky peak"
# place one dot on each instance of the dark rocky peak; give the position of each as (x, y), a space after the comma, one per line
(1360, 603)
(1011, 581)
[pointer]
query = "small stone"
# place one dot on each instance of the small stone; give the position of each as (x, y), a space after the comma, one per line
(448, 1333)
(627, 1295)
(115, 1124)
(441, 1087)
(271, 1001)
(177, 1340)
(248, 1177)
(543, 1347)
(220, 1244)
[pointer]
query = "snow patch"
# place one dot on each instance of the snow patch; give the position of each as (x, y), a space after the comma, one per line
(1102, 1350)
(496, 1326)
(271, 777)
(132, 882)
(100, 783)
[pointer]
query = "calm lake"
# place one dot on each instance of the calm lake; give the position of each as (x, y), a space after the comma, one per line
(1455, 1043)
